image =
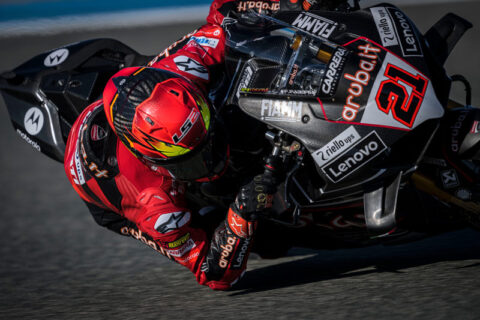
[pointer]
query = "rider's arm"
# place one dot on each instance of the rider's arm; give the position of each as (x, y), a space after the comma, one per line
(218, 260)
(195, 56)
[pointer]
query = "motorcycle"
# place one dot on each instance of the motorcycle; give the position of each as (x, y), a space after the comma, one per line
(353, 104)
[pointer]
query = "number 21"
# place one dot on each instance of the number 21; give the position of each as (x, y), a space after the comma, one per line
(393, 95)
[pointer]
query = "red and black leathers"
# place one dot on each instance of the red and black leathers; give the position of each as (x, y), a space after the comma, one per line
(132, 199)
(145, 202)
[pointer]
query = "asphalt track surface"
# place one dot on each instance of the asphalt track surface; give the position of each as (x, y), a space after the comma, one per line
(55, 262)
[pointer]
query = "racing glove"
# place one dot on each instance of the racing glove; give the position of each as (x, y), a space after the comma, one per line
(252, 200)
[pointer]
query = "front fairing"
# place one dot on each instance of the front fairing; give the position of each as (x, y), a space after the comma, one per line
(365, 107)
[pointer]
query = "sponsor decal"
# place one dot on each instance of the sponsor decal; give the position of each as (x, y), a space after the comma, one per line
(183, 250)
(393, 96)
(315, 25)
(92, 166)
(28, 140)
(293, 75)
(245, 80)
(475, 127)
(189, 65)
(240, 226)
(455, 131)
(255, 90)
(449, 179)
(190, 257)
(177, 243)
(464, 194)
(206, 42)
(226, 251)
(435, 161)
(359, 80)
(259, 6)
(337, 146)
(281, 110)
(78, 169)
(401, 97)
(299, 92)
(171, 221)
(33, 121)
(356, 157)
(334, 71)
(409, 43)
(385, 26)
(56, 58)
(96, 170)
(238, 260)
(186, 126)
(97, 133)
(137, 234)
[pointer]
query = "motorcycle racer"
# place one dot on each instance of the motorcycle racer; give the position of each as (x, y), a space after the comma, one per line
(132, 155)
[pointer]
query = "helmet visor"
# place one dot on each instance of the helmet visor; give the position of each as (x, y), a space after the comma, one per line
(206, 161)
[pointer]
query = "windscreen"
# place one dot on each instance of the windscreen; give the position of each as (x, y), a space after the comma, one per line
(275, 58)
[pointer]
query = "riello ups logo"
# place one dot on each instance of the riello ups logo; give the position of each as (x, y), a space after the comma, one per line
(355, 158)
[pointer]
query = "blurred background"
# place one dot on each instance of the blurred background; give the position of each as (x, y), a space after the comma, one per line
(55, 262)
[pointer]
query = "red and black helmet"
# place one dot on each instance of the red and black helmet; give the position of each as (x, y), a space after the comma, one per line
(164, 120)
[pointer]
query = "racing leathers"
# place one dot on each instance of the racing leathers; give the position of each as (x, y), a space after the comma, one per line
(145, 202)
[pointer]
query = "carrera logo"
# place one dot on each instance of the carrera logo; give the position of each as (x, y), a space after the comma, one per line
(385, 26)
(360, 80)
(280, 110)
(315, 25)
(355, 158)
(333, 73)
(409, 42)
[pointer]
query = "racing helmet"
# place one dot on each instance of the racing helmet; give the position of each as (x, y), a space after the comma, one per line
(165, 120)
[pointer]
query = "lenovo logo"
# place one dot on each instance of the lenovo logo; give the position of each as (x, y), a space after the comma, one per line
(355, 158)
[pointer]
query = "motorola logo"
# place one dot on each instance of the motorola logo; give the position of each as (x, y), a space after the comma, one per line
(33, 121)
(56, 57)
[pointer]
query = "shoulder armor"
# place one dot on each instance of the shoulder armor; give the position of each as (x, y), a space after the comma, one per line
(98, 145)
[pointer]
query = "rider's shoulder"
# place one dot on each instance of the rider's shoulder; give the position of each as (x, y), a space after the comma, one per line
(97, 143)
